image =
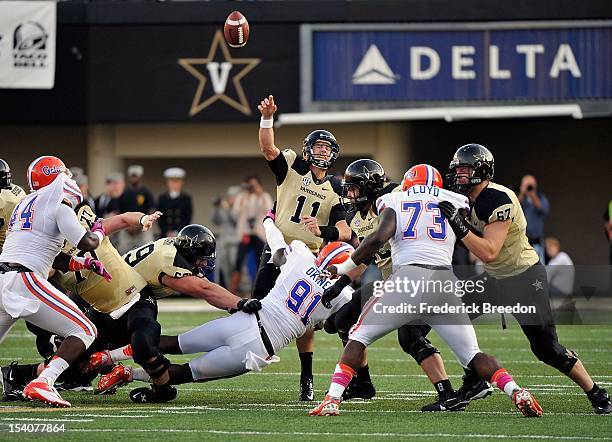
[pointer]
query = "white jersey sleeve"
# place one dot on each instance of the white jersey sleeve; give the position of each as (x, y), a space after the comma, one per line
(69, 224)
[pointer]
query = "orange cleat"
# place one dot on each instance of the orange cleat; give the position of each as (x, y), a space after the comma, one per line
(39, 390)
(119, 376)
(329, 407)
(526, 403)
(98, 360)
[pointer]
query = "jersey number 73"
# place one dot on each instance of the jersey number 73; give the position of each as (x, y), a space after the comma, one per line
(436, 230)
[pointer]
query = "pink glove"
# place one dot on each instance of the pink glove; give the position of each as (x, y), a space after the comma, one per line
(98, 228)
(78, 263)
(270, 215)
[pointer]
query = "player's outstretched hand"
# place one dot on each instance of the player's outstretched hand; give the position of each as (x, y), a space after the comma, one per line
(97, 267)
(333, 291)
(249, 305)
(310, 223)
(147, 221)
(456, 221)
(267, 107)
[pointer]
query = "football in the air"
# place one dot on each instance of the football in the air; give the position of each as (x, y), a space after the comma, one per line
(236, 30)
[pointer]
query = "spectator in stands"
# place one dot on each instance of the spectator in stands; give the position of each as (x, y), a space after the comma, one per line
(249, 209)
(176, 206)
(224, 227)
(536, 207)
(135, 198)
(83, 182)
(559, 269)
(106, 203)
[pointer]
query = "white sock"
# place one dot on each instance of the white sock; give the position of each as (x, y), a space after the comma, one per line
(510, 387)
(121, 354)
(139, 374)
(53, 370)
(336, 390)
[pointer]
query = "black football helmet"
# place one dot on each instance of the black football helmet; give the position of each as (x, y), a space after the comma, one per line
(480, 161)
(366, 178)
(197, 245)
(6, 178)
(309, 142)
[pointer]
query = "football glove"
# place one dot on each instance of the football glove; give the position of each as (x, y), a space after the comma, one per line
(88, 263)
(332, 292)
(249, 305)
(456, 221)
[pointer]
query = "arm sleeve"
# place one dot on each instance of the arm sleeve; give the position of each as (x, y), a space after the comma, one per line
(382, 202)
(337, 213)
(494, 205)
(69, 225)
(274, 236)
(280, 165)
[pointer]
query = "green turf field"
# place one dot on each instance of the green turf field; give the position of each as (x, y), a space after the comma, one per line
(263, 406)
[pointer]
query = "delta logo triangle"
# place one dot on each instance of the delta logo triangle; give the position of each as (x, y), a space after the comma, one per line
(374, 69)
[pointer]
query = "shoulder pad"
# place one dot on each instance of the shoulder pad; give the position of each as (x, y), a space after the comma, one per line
(488, 201)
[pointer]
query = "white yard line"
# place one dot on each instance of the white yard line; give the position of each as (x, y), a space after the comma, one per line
(348, 434)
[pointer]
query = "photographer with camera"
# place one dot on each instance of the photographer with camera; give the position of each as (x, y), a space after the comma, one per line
(536, 207)
(249, 209)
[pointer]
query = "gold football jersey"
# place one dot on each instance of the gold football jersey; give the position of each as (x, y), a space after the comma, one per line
(301, 195)
(104, 296)
(8, 200)
(498, 203)
(156, 259)
(362, 226)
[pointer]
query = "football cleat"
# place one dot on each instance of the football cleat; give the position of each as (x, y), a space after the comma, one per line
(600, 401)
(39, 390)
(98, 360)
(11, 389)
(448, 402)
(471, 392)
(154, 395)
(526, 403)
(359, 389)
(329, 407)
(119, 376)
(306, 389)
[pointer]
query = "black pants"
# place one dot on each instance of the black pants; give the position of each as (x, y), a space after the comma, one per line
(266, 275)
(529, 288)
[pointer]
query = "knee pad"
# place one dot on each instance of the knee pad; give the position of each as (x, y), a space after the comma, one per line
(145, 339)
(157, 366)
(416, 345)
(556, 356)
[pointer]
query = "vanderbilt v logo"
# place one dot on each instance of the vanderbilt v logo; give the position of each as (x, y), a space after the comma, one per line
(220, 73)
(218, 77)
